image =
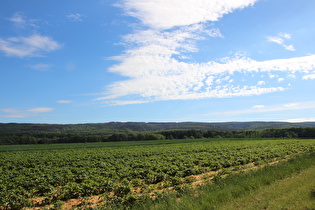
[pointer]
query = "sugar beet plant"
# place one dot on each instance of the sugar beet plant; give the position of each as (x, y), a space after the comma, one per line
(125, 174)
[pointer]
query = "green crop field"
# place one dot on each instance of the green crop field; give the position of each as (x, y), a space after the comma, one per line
(126, 173)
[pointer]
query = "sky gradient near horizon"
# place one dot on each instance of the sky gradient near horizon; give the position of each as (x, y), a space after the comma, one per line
(157, 61)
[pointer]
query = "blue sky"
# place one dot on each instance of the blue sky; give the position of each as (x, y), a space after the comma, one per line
(96, 61)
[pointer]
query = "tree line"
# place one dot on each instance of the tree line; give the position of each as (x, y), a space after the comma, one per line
(50, 138)
(76, 138)
(266, 133)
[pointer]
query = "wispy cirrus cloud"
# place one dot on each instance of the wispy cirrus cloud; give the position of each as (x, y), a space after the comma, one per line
(281, 39)
(124, 102)
(14, 113)
(41, 66)
(258, 106)
(40, 110)
(298, 120)
(21, 21)
(156, 60)
(28, 46)
(270, 108)
(63, 101)
(75, 17)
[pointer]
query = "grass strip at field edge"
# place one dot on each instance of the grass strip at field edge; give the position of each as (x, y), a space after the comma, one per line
(295, 192)
(235, 186)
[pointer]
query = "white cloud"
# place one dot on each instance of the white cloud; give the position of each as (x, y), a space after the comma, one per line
(285, 35)
(280, 79)
(121, 103)
(40, 110)
(14, 113)
(289, 47)
(275, 108)
(292, 105)
(18, 19)
(41, 66)
(297, 120)
(76, 17)
(63, 101)
(260, 83)
(157, 77)
(291, 76)
(31, 46)
(258, 106)
(277, 40)
(280, 39)
(310, 76)
(152, 61)
(21, 21)
(165, 14)
(151, 51)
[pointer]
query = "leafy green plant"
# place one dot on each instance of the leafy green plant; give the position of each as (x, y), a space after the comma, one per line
(66, 173)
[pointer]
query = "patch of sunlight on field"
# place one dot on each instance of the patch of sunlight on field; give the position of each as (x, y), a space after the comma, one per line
(296, 192)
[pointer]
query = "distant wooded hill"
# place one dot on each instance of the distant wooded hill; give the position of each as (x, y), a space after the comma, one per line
(18, 133)
(129, 127)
